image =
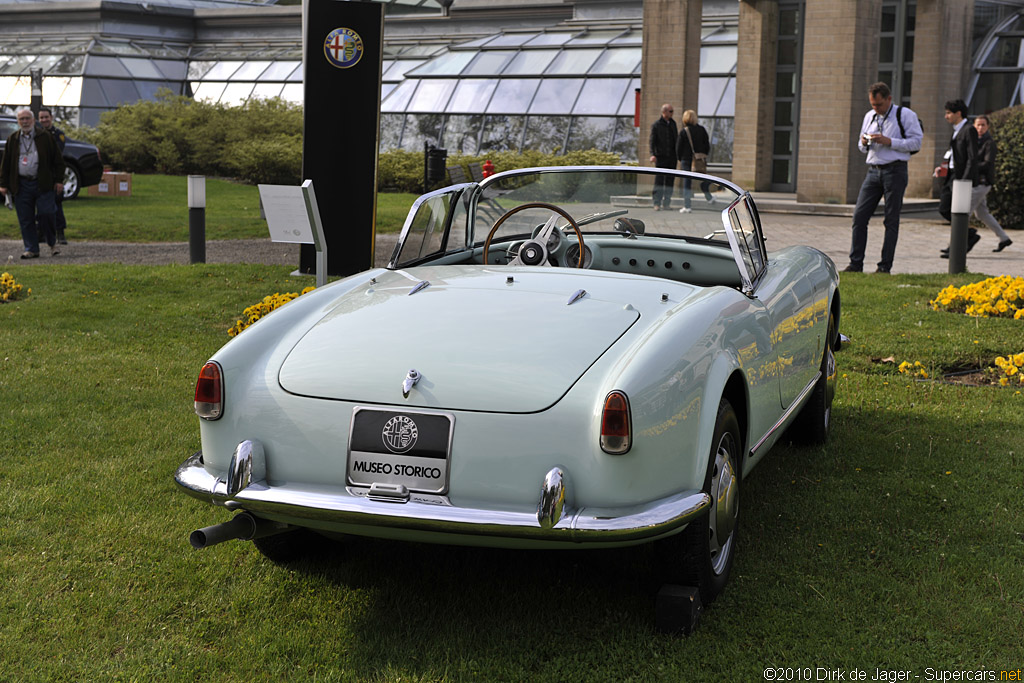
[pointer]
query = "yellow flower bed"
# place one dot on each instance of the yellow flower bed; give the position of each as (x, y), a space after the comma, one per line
(10, 289)
(996, 297)
(1010, 369)
(258, 310)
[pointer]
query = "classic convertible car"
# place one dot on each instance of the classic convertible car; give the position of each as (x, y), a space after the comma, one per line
(546, 362)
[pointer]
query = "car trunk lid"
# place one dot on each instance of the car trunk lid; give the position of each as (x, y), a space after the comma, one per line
(478, 341)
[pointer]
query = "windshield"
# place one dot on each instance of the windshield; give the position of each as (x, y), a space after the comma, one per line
(608, 200)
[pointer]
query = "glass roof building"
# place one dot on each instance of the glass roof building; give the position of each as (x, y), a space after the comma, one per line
(468, 75)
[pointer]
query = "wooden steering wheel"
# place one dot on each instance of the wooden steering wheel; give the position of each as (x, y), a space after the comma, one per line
(537, 246)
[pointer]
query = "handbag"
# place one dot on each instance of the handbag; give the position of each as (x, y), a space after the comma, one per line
(700, 160)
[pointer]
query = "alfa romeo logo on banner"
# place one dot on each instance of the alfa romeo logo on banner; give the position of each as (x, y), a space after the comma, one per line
(343, 48)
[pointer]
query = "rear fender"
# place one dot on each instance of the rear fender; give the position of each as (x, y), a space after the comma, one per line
(722, 366)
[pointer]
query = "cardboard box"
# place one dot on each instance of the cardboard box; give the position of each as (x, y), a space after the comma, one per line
(107, 187)
(112, 185)
(124, 185)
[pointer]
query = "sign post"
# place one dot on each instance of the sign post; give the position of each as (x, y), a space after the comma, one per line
(959, 211)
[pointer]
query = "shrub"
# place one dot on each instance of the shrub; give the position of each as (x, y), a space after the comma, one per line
(261, 142)
(275, 160)
(1006, 200)
(258, 142)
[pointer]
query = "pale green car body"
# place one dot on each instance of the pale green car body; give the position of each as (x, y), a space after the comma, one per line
(518, 364)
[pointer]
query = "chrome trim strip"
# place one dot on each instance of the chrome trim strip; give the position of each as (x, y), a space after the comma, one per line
(333, 504)
(795, 405)
(421, 286)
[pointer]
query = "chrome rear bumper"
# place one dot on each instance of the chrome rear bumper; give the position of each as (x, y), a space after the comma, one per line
(347, 506)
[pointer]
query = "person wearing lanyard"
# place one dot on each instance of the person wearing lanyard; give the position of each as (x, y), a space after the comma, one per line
(889, 134)
(31, 170)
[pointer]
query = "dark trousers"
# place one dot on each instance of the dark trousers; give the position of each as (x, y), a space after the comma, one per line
(889, 181)
(663, 184)
(29, 202)
(61, 223)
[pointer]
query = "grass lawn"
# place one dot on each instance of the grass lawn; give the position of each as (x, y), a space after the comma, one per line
(896, 546)
(157, 211)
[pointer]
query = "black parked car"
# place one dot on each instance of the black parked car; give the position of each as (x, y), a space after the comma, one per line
(81, 160)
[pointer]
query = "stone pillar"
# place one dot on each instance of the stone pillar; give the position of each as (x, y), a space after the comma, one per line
(840, 61)
(755, 94)
(942, 68)
(670, 70)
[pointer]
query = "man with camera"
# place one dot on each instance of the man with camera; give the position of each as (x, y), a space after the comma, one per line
(889, 134)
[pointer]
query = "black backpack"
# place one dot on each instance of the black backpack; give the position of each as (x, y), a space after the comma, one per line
(903, 132)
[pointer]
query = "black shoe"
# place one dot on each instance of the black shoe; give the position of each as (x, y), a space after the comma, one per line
(853, 269)
(1003, 245)
(61, 239)
(944, 252)
(973, 239)
(884, 271)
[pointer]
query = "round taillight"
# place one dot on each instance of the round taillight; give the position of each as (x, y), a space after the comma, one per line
(616, 437)
(210, 392)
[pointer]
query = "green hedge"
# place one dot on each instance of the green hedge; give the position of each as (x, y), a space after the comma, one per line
(259, 142)
(1006, 200)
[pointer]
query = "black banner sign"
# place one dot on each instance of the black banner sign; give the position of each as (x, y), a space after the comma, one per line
(343, 48)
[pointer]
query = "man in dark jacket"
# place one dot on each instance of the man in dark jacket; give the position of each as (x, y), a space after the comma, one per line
(963, 161)
(31, 170)
(46, 121)
(663, 155)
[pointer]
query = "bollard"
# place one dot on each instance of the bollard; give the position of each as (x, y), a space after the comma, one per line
(960, 209)
(197, 219)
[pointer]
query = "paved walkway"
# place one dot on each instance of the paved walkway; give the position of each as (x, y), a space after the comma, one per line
(922, 234)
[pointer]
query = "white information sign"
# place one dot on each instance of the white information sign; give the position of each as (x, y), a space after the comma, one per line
(293, 216)
(285, 208)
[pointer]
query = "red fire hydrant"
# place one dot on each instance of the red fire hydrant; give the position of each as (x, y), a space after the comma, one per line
(488, 168)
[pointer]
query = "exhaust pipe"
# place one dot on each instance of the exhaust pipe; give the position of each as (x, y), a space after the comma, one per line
(242, 526)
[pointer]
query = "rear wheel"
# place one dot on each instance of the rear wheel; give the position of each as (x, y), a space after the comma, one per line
(702, 555)
(287, 546)
(72, 180)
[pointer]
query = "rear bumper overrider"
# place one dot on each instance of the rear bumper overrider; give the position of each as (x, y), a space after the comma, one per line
(555, 520)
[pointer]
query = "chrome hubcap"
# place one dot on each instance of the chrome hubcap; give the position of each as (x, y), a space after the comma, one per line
(726, 502)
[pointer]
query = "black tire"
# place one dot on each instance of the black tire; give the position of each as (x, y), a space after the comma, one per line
(702, 554)
(288, 546)
(72, 180)
(812, 425)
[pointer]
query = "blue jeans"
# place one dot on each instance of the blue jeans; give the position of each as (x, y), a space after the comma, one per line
(889, 181)
(29, 201)
(687, 165)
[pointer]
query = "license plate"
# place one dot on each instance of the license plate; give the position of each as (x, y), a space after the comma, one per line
(398, 447)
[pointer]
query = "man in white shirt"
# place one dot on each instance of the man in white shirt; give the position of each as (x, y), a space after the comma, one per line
(889, 134)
